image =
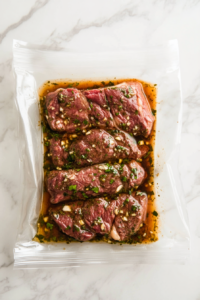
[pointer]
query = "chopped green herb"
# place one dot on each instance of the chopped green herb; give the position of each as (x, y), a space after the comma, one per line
(155, 213)
(68, 227)
(153, 111)
(111, 181)
(124, 178)
(136, 112)
(110, 169)
(85, 122)
(47, 144)
(76, 228)
(147, 154)
(134, 170)
(50, 226)
(95, 190)
(126, 201)
(135, 207)
(72, 188)
(40, 237)
(84, 195)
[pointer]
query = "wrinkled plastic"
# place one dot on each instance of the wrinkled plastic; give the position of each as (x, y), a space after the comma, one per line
(32, 66)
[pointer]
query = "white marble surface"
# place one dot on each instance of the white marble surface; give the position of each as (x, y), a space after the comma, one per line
(92, 25)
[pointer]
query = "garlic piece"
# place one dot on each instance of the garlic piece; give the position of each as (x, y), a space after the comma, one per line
(119, 188)
(116, 211)
(102, 227)
(46, 219)
(81, 222)
(66, 208)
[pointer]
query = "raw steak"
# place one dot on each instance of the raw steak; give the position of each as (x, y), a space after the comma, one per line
(97, 146)
(67, 110)
(69, 218)
(99, 215)
(94, 181)
(131, 214)
(130, 108)
(100, 115)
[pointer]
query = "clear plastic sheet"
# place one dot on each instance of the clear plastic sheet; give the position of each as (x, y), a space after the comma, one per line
(32, 66)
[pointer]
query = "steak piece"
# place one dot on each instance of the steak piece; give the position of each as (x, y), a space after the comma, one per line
(132, 174)
(97, 146)
(100, 115)
(143, 150)
(126, 145)
(124, 106)
(67, 110)
(130, 108)
(131, 213)
(93, 181)
(83, 183)
(69, 218)
(58, 151)
(99, 215)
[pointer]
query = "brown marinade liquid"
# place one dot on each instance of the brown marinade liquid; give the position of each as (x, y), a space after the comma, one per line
(149, 231)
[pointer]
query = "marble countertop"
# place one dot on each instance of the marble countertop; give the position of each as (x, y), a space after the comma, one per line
(90, 25)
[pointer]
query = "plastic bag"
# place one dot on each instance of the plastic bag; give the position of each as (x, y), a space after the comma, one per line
(32, 67)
